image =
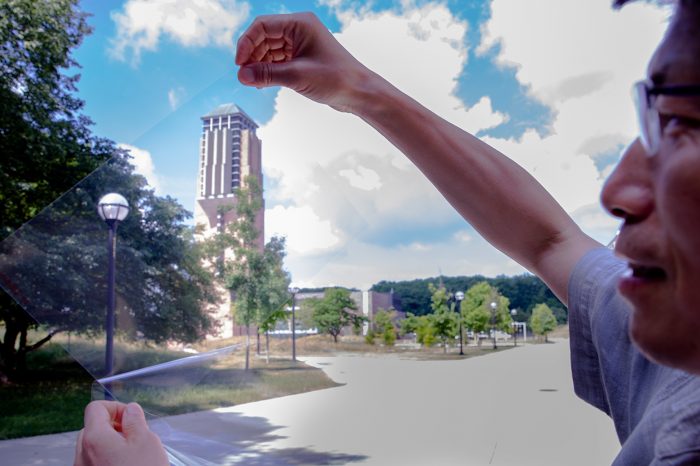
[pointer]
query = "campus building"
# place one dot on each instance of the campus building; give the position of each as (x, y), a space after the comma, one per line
(368, 303)
(229, 152)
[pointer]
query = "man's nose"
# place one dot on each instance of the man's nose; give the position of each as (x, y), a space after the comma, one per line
(627, 193)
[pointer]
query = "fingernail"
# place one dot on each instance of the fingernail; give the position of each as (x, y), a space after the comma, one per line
(132, 410)
(246, 75)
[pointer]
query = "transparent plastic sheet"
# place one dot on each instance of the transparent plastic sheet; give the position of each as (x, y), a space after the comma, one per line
(55, 267)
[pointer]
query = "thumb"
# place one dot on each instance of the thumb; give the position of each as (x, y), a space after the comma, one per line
(264, 74)
(133, 421)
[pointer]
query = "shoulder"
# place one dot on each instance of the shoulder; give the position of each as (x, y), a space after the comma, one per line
(593, 281)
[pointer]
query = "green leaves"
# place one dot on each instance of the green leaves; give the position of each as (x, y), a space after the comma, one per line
(542, 321)
(333, 312)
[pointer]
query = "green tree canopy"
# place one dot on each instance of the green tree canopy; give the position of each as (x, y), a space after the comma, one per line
(542, 321)
(334, 311)
(477, 310)
(443, 319)
(56, 266)
(253, 273)
(384, 326)
(275, 290)
(523, 291)
(45, 141)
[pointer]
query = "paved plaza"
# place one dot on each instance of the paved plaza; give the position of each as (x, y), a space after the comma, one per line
(514, 407)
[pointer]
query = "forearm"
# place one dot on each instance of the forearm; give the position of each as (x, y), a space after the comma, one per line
(500, 199)
(503, 202)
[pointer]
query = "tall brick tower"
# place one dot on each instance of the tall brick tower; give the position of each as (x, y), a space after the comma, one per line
(229, 152)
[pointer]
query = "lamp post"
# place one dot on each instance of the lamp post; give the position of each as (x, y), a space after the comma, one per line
(294, 291)
(459, 296)
(493, 322)
(513, 312)
(112, 208)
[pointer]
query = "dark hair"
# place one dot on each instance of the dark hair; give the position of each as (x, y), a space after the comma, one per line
(620, 3)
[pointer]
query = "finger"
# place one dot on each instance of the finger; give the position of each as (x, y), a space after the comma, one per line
(78, 461)
(100, 414)
(134, 421)
(269, 74)
(265, 28)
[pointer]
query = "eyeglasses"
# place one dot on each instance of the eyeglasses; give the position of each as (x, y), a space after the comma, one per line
(645, 94)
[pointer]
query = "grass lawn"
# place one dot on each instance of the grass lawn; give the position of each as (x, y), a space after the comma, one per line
(51, 396)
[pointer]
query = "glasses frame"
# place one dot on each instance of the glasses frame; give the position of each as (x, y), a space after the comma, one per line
(645, 93)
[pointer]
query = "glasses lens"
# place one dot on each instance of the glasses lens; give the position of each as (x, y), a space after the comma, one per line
(648, 119)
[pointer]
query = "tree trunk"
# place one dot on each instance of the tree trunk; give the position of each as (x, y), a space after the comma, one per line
(22, 352)
(13, 357)
(267, 347)
(7, 350)
(257, 343)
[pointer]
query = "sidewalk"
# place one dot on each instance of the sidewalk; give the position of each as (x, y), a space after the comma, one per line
(514, 407)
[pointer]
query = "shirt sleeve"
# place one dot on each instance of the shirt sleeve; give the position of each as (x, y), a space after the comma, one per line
(598, 318)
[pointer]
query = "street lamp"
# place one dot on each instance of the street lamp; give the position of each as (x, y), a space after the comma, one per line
(294, 290)
(493, 322)
(513, 312)
(459, 296)
(112, 208)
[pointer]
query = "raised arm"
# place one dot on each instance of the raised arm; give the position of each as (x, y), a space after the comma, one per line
(496, 196)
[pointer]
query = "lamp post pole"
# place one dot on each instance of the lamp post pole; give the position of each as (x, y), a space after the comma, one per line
(294, 292)
(513, 312)
(493, 322)
(112, 208)
(111, 297)
(459, 296)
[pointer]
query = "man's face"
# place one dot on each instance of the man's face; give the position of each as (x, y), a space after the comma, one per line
(658, 198)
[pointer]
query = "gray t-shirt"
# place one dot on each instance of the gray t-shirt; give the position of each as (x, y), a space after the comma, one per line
(656, 409)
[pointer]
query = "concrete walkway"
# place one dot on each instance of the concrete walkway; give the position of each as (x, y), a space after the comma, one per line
(514, 407)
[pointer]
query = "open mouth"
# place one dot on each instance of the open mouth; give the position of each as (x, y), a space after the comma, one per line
(647, 273)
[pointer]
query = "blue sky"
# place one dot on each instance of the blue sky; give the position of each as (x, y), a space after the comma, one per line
(528, 77)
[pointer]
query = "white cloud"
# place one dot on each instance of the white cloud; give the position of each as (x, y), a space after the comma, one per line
(580, 59)
(462, 236)
(175, 96)
(144, 166)
(362, 178)
(600, 225)
(347, 176)
(192, 23)
(367, 195)
(305, 232)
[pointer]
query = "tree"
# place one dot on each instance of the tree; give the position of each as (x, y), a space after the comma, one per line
(384, 326)
(443, 318)
(333, 312)
(55, 266)
(425, 331)
(542, 320)
(305, 313)
(523, 291)
(274, 295)
(478, 313)
(246, 274)
(474, 309)
(409, 324)
(45, 141)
